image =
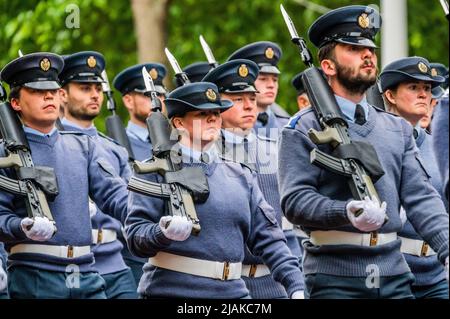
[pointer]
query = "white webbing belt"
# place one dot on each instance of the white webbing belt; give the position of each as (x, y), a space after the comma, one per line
(103, 236)
(57, 251)
(416, 247)
(255, 271)
(197, 267)
(334, 237)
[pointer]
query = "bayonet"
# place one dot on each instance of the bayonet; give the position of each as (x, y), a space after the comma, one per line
(209, 55)
(296, 39)
(176, 67)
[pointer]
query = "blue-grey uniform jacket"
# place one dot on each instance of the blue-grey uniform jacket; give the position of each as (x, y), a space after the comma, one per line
(81, 172)
(108, 257)
(427, 270)
(140, 141)
(234, 216)
(263, 156)
(317, 199)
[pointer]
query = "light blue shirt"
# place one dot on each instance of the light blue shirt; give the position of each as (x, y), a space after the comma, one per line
(348, 107)
(138, 131)
(36, 132)
(191, 155)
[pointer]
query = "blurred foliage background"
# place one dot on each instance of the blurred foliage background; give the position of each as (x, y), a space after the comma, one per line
(107, 27)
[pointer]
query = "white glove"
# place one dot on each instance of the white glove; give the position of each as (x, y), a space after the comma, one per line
(402, 215)
(177, 228)
(446, 268)
(38, 229)
(372, 217)
(92, 208)
(299, 294)
(3, 278)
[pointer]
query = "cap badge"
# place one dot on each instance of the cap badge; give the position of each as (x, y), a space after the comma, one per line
(153, 73)
(45, 64)
(269, 53)
(434, 72)
(243, 71)
(422, 67)
(91, 62)
(364, 21)
(211, 95)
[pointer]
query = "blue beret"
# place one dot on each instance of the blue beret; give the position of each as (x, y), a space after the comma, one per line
(407, 70)
(130, 79)
(234, 76)
(355, 25)
(264, 53)
(86, 67)
(35, 70)
(194, 97)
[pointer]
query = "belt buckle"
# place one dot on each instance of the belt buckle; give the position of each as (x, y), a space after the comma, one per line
(424, 250)
(226, 270)
(69, 251)
(100, 236)
(373, 238)
(252, 271)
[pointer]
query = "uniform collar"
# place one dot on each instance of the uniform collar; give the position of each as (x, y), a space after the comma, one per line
(139, 131)
(233, 138)
(91, 131)
(30, 130)
(348, 107)
(190, 155)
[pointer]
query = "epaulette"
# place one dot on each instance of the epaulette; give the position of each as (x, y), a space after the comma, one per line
(245, 165)
(296, 117)
(382, 110)
(108, 138)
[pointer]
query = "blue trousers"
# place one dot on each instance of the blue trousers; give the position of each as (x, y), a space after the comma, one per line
(30, 283)
(437, 291)
(120, 285)
(136, 268)
(321, 286)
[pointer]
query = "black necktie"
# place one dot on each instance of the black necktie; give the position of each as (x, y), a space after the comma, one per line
(360, 117)
(263, 117)
(415, 133)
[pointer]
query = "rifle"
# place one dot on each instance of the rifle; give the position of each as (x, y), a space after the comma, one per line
(114, 126)
(209, 55)
(179, 74)
(34, 183)
(348, 154)
(182, 186)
